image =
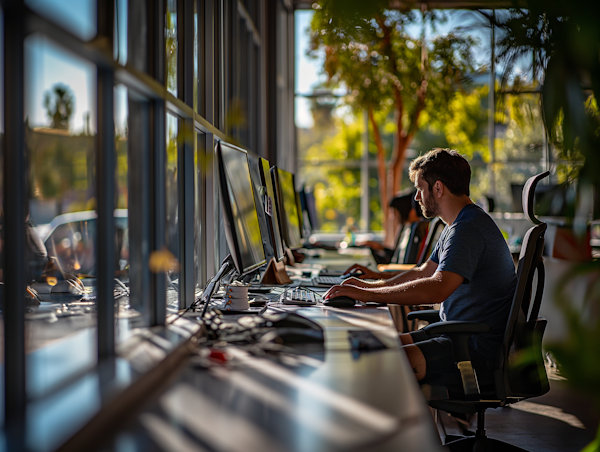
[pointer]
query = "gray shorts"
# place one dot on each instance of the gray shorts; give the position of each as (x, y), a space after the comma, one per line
(441, 364)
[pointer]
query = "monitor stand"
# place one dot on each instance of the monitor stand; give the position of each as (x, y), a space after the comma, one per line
(275, 273)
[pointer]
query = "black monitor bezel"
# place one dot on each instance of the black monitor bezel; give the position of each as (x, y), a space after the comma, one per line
(273, 222)
(228, 212)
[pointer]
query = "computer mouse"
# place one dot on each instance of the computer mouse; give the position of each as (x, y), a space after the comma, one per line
(340, 302)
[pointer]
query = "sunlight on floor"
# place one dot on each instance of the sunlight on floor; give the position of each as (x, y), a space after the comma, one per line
(549, 411)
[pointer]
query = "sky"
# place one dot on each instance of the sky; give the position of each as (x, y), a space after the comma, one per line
(47, 64)
(77, 16)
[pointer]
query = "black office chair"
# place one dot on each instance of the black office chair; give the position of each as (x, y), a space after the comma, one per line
(436, 226)
(519, 373)
(418, 233)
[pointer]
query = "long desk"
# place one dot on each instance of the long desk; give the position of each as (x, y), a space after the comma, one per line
(328, 398)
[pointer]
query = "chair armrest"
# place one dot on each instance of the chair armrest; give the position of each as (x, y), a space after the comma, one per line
(452, 327)
(460, 332)
(429, 315)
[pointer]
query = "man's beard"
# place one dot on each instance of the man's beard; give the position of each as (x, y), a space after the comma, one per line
(430, 207)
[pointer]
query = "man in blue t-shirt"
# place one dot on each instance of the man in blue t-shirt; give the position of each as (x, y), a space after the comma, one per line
(470, 272)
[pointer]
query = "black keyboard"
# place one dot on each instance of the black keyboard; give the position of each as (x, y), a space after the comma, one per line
(301, 297)
(326, 280)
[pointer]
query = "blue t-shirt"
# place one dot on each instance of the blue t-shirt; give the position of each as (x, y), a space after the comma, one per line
(474, 248)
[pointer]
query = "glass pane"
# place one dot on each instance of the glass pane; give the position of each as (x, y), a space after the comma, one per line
(77, 16)
(199, 169)
(172, 197)
(171, 46)
(121, 20)
(127, 317)
(330, 150)
(196, 44)
(337, 194)
(60, 110)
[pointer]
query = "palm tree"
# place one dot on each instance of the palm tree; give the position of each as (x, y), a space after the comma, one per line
(59, 104)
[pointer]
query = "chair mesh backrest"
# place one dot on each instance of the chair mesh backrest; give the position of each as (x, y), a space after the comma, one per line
(401, 230)
(417, 235)
(435, 230)
(521, 371)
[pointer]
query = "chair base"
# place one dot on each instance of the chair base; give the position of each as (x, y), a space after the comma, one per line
(481, 444)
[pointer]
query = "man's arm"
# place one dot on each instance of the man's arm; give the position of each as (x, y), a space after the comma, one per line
(429, 290)
(424, 271)
(367, 273)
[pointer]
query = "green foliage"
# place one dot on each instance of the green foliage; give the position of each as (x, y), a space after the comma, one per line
(59, 106)
(368, 50)
(463, 123)
(337, 187)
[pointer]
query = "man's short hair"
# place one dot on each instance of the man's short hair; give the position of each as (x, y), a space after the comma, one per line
(445, 165)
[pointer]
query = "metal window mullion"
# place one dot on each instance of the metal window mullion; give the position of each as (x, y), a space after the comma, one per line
(157, 182)
(138, 155)
(364, 178)
(186, 208)
(233, 73)
(250, 96)
(105, 189)
(208, 88)
(158, 210)
(14, 231)
(105, 195)
(200, 172)
(156, 40)
(211, 208)
(201, 57)
(185, 34)
(270, 86)
(208, 50)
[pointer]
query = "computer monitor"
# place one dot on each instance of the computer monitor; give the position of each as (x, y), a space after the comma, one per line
(309, 214)
(273, 216)
(287, 203)
(242, 229)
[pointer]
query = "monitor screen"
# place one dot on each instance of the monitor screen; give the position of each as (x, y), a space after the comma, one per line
(288, 205)
(242, 229)
(273, 216)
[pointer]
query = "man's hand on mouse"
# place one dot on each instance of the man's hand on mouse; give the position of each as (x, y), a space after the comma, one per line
(366, 272)
(347, 291)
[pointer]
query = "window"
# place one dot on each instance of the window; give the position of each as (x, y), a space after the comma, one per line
(172, 198)
(77, 16)
(120, 27)
(171, 46)
(60, 107)
(199, 178)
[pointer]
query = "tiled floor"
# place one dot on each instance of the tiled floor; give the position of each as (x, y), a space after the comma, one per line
(559, 421)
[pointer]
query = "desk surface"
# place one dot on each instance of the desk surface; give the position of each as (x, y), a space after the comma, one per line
(331, 398)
